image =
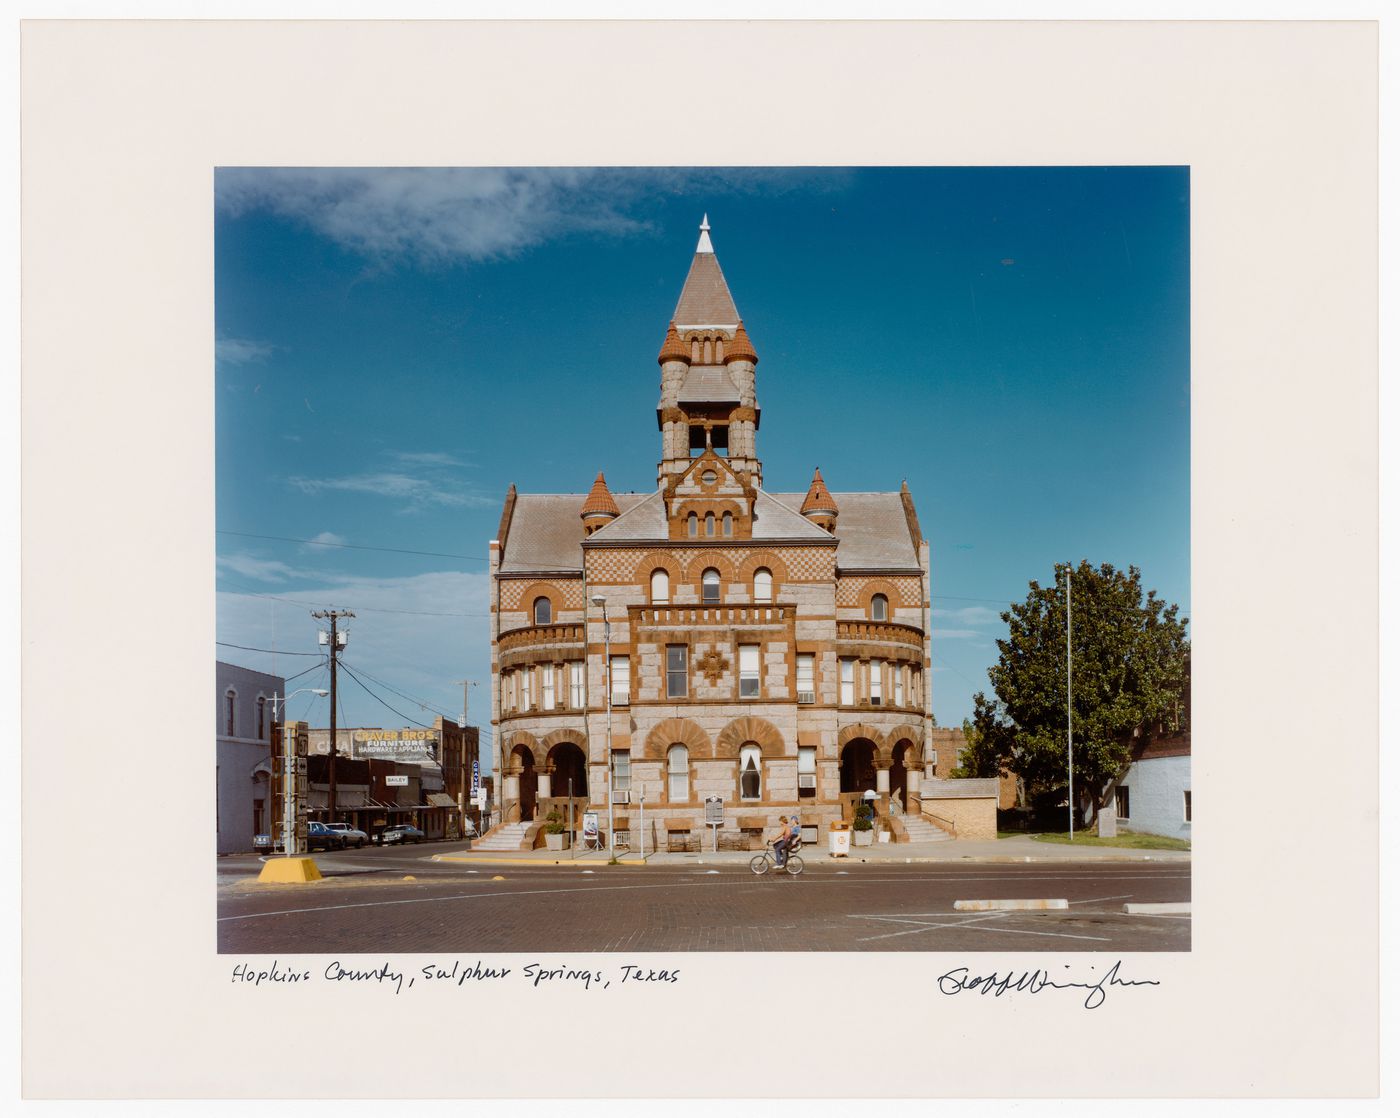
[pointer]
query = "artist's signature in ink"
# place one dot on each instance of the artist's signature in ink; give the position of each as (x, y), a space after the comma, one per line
(960, 980)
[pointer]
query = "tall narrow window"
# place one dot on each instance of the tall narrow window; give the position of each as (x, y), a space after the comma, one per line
(678, 774)
(879, 608)
(262, 707)
(547, 678)
(1186, 804)
(763, 585)
(691, 525)
(675, 671)
(729, 524)
(750, 773)
(898, 671)
(622, 770)
(1120, 802)
(806, 771)
(660, 588)
(621, 681)
(877, 682)
(229, 698)
(527, 688)
(576, 685)
(806, 681)
(709, 524)
(848, 682)
(709, 586)
(541, 611)
(748, 671)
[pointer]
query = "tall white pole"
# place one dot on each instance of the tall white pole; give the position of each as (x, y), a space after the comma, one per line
(608, 686)
(1069, 692)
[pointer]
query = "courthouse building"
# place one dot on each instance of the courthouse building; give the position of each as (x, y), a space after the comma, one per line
(768, 649)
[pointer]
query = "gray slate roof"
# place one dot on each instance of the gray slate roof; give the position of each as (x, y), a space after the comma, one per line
(705, 298)
(708, 384)
(546, 533)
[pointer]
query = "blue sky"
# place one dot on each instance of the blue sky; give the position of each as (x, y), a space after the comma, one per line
(395, 347)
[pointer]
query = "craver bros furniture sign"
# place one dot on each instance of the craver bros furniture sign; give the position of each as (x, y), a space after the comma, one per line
(394, 743)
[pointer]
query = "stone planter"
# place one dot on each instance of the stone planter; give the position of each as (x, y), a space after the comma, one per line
(557, 842)
(863, 838)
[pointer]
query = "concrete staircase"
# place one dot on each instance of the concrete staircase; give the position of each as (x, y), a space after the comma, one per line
(921, 830)
(508, 836)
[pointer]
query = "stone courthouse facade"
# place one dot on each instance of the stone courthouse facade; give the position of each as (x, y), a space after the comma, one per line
(769, 649)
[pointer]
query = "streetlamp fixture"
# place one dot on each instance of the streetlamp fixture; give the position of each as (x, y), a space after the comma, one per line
(602, 603)
(289, 793)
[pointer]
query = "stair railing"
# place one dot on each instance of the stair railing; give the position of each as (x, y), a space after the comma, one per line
(951, 828)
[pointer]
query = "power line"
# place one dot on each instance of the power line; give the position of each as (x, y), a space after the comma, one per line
(381, 702)
(353, 546)
(412, 699)
(270, 651)
(361, 609)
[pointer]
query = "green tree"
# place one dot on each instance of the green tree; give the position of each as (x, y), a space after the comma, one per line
(986, 747)
(1131, 669)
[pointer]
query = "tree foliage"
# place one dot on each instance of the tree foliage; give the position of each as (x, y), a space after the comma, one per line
(1131, 666)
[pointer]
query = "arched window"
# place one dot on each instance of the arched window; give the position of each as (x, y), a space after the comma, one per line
(678, 774)
(262, 709)
(709, 585)
(708, 351)
(750, 773)
(230, 698)
(729, 524)
(660, 588)
(695, 350)
(690, 525)
(541, 611)
(763, 585)
(709, 524)
(879, 608)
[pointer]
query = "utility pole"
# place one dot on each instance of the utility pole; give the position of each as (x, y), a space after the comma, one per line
(338, 640)
(467, 685)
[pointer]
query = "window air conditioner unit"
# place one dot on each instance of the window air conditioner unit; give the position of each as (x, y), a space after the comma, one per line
(807, 780)
(806, 696)
(874, 700)
(621, 796)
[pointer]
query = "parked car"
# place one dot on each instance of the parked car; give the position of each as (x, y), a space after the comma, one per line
(403, 832)
(350, 836)
(320, 836)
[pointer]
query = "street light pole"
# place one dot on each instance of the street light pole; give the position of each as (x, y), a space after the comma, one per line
(289, 772)
(1069, 692)
(599, 600)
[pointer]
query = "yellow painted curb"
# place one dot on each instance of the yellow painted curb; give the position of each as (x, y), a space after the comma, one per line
(289, 871)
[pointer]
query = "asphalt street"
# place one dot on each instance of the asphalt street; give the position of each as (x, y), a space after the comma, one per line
(366, 905)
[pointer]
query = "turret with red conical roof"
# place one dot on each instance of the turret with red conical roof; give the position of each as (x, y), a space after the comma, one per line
(599, 508)
(820, 507)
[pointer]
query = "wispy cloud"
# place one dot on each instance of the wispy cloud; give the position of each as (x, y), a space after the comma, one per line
(419, 480)
(241, 351)
(264, 570)
(469, 213)
(429, 458)
(322, 540)
(956, 634)
(970, 615)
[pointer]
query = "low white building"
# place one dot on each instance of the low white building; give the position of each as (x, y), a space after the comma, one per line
(243, 748)
(1154, 794)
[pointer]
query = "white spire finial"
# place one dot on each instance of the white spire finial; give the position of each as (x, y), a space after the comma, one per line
(704, 245)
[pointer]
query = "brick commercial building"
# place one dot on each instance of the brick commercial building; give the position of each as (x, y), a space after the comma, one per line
(770, 649)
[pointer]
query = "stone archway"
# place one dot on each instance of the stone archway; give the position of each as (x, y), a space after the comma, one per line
(906, 758)
(858, 765)
(760, 731)
(567, 764)
(523, 761)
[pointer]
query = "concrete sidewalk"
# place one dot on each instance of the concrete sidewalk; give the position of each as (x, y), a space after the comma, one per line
(1020, 848)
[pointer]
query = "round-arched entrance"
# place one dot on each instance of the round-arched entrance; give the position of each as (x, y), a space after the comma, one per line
(905, 758)
(529, 781)
(858, 765)
(569, 771)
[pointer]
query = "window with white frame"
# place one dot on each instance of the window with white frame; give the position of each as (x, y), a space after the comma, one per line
(898, 671)
(806, 771)
(230, 700)
(750, 773)
(660, 588)
(748, 671)
(848, 682)
(709, 586)
(621, 680)
(806, 678)
(676, 676)
(879, 608)
(678, 774)
(576, 685)
(547, 678)
(763, 585)
(527, 688)
(622, 770)
(877, 682)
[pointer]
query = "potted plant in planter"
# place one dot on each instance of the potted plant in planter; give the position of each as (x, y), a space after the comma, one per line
(555, 836)
(863, 829)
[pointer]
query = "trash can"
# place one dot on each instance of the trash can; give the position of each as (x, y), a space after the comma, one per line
(839, 839)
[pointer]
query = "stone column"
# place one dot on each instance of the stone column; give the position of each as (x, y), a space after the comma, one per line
(542, 783)
(882, 781)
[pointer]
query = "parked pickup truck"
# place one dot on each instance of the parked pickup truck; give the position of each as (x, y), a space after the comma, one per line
(318, 837)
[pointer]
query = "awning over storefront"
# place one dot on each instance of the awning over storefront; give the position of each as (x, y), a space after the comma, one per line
(440, 799)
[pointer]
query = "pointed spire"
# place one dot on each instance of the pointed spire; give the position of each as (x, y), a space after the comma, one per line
(705, 298)
(599, 502)
(741, 349)
(673, 349)
(704, 245)
(819, 499)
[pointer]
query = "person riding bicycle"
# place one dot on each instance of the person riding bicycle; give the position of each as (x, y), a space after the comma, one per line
(781, 843)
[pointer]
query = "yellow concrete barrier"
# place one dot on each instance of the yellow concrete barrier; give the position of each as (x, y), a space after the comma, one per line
(289, 871)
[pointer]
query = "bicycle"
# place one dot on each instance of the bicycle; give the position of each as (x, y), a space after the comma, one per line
(760, 863)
